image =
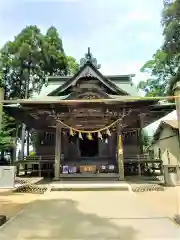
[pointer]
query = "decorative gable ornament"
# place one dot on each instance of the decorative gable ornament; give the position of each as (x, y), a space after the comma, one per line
(88, 72)
(89, 58)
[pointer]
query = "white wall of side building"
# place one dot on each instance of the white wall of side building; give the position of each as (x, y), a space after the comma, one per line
(168, 143)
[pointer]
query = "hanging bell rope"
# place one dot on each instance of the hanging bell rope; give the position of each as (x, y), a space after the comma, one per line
(89, 136)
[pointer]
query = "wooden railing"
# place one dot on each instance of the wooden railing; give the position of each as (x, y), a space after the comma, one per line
(36, 164)
(133, 165)
(141, 165)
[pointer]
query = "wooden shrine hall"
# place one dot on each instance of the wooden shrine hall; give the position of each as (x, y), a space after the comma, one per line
(86, 124)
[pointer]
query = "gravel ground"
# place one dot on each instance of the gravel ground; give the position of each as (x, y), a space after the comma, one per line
(167, 202)
(11, 203)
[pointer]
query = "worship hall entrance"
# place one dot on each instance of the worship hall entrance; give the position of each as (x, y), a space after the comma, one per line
(87, 147)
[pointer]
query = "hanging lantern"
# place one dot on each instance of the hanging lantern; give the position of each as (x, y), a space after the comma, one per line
(108, 132)
(99, 135)
(106, 141)
(71, 132)
(89, 136)
(80, 135)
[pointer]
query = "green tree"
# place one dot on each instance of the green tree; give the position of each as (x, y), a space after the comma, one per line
(161, 70)
(26, 62)
(145, 138)
(30, 58)
(73, 66)
(164, 66)
(7, 134)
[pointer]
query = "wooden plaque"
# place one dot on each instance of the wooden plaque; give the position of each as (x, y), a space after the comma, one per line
(88, 168)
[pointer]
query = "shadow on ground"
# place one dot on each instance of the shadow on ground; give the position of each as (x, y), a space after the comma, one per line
(6, 193)
(10, 209)
(61, 219)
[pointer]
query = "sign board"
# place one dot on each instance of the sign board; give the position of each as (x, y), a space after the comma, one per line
(7, 176)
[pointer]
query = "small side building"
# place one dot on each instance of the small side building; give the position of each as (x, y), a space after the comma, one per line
(166, 144)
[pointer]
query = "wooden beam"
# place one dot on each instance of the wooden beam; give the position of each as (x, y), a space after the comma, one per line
(57, 153)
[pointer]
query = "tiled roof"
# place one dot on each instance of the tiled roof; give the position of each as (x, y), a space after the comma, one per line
(172, 123)
(131, 89)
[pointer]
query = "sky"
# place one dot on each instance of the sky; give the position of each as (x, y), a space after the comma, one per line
(122, 35)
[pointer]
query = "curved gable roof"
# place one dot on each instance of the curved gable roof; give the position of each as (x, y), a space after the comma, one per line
(88, 70)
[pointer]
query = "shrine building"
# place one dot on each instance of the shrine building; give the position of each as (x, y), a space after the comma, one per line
(87, 123)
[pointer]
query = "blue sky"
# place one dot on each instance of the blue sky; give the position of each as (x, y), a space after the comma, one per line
(122, 34)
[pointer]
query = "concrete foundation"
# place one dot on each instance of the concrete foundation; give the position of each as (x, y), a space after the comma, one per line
(171, 175)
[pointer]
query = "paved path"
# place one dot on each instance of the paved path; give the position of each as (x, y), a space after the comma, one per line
(89, 216)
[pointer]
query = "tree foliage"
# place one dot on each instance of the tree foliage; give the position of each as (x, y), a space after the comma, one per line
(30, 58)
(7, 133)
(164, 67)
(145, 138)
(25, 64)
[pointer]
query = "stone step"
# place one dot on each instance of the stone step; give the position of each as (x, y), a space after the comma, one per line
(111, 186)
(90, 179)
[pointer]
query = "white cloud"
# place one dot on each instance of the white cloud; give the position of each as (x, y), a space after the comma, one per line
(146, 36)
(138, 16)
(121, 67)
(141, 77)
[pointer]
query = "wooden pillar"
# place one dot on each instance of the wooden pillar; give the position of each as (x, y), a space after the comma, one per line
(141, 125)
(120, 157)
(78, 147)
(139, 165)
(23, 133)
(57, 153)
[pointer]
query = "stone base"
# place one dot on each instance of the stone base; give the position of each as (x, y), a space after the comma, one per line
(2, 219)
(177, 219)
(171, 178)
(56, 179)
(90, 186)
